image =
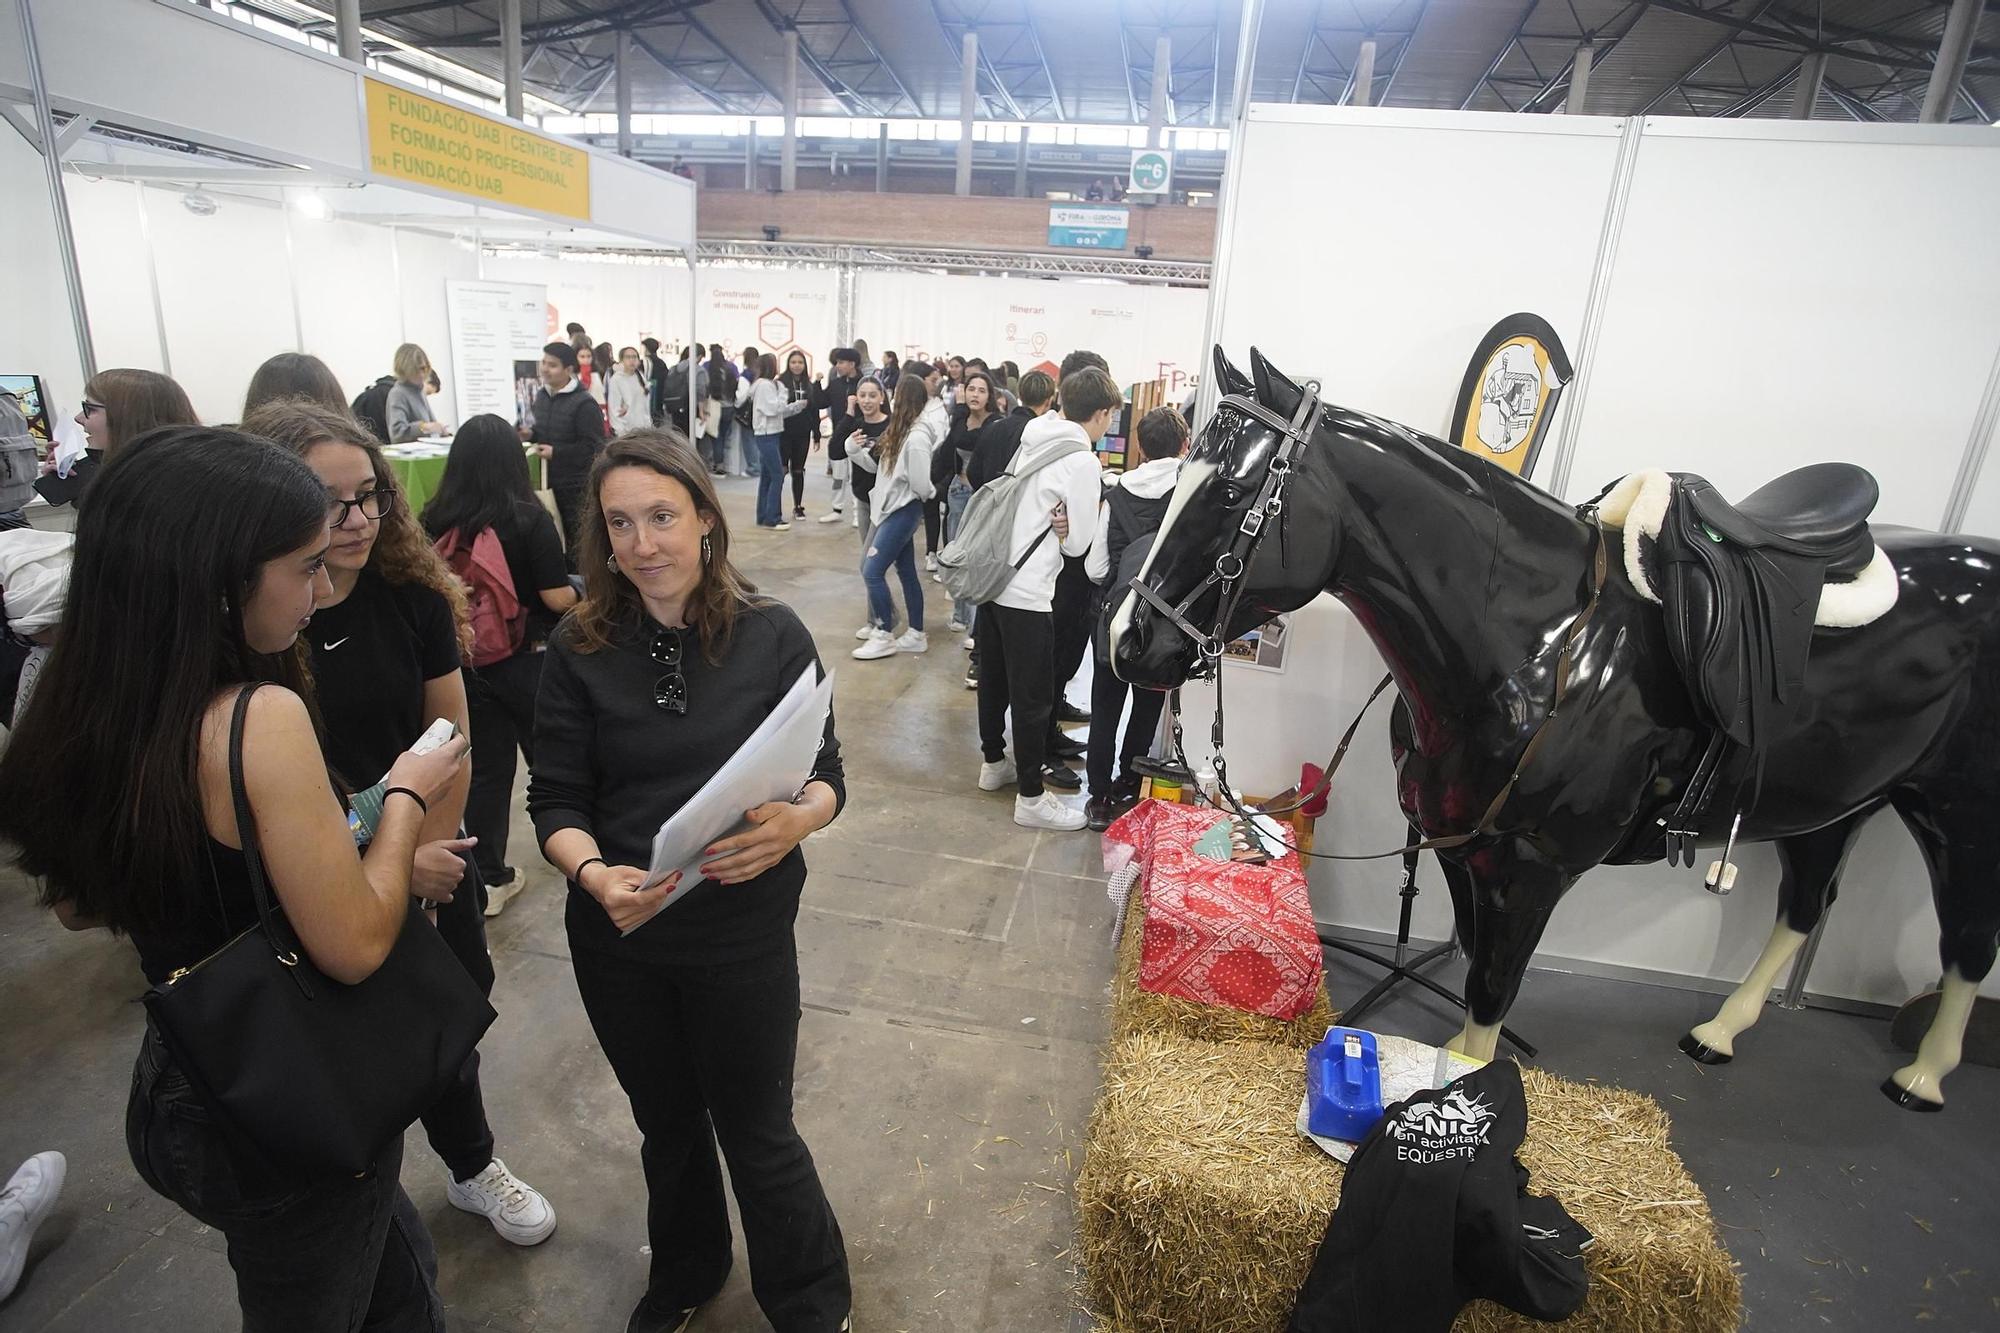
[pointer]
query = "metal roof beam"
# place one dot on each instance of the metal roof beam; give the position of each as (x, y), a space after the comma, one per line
(1698, 66)
(684, 70)
(1035, 37)
(875, 50)
(1500, 56)
(1546, 97)
(1798, 41)
(849, 99)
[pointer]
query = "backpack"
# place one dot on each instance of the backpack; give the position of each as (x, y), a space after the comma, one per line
(722, 383)
(371, 409)
(978, 564)
(499, 622)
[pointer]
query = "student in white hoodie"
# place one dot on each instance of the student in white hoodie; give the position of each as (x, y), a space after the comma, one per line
(769, 407)
(1133, 510)
(901, 460)
(1016, 629)
(628, 398)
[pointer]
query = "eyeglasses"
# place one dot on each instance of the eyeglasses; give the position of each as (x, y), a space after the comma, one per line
(670, 691)
(373, 505)
(89, 407)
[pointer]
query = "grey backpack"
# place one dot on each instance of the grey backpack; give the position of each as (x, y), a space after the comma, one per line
(979, 563)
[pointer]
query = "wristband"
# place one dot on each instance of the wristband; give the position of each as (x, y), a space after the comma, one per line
(585, 864)
(422, 804)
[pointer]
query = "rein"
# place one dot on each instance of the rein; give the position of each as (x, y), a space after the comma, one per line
(1234, 563)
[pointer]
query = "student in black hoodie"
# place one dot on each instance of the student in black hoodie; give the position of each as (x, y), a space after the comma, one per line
(978, 408)
(800, 435)
(841, 383)
(569, 430)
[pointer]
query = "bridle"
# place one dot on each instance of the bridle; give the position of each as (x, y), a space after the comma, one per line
(1229, 573)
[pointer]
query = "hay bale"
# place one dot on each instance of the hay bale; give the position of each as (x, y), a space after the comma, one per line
(1200, 1207)
(1136, 1010)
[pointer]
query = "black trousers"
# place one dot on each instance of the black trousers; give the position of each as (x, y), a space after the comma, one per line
(456, 1126)
(705, 1054)
(795, 453)
(569, 507)
(1071, 607)
(1016, 671)
(1107, 701)
(500, 705)
(933, 522)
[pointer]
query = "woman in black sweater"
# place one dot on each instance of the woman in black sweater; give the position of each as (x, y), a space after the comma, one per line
(800, 436)
(661, 673)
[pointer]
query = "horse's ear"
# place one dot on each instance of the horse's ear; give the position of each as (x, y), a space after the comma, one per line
(1274, 390)
(1227, 377)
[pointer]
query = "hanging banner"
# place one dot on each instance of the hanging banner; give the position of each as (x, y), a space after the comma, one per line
(493, 326)
(773, 310)
(1152, 171)
(1088, 226)
(1509, 393)
(441, 144)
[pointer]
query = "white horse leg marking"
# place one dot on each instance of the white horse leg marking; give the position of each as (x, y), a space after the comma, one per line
(1192, 475)
(1481, 1041)
(1938, 1052)
(1739, 1012)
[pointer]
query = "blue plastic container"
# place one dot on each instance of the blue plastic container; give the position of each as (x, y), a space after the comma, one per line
(1344, 1085)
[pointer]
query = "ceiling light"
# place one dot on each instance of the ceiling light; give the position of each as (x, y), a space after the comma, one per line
(199, 204)
(309, 204)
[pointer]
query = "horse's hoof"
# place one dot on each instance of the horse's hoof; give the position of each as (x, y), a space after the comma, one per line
(1702, 1053)
(1906, 1099)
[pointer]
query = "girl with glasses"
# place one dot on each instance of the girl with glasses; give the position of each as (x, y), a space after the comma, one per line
(657, 677)
(385, 646)
(118, 407)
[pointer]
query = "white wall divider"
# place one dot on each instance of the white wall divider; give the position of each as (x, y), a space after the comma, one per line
(1777, 294)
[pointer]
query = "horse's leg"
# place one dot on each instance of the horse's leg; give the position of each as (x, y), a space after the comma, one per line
(1502, 941)
(1963, 853)
(1810, 866)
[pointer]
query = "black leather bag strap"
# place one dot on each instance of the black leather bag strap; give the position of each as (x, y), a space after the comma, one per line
(276, 933)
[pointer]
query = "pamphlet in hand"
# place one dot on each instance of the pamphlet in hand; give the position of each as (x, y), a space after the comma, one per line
(772, 765)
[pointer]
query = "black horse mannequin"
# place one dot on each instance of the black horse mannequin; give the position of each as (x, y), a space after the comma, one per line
(1469, 580)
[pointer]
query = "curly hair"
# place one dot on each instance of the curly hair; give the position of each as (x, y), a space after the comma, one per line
(402, 554)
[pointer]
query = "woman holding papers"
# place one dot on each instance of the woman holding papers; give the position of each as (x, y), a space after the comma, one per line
(649, 686)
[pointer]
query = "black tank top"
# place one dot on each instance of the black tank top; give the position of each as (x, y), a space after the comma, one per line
(218, 910)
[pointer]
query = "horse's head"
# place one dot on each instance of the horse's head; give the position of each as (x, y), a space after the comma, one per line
(1220, 483)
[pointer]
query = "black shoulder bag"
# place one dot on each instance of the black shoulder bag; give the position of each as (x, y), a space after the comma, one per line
(317, 1074)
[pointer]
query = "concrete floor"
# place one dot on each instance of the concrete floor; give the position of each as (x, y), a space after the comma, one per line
(954, 981)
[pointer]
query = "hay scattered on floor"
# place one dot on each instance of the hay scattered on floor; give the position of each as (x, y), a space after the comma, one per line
(1136, 1011)
(1200, 1207)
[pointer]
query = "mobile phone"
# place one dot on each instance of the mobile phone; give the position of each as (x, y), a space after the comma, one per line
(439, 732)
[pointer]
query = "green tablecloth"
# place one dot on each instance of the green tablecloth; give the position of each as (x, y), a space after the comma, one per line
(418, 478)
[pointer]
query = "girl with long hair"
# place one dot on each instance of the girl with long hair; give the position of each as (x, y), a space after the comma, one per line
(119, 406)
(386, 646)
(485, 486)
(891, 371)
(294, 375)
(978, 403)
(901, 462)
(770, 408)
(199, 560)
(664, 670)
(409, 406)
(800, 436)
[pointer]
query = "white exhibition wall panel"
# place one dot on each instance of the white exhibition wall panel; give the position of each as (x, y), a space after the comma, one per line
(1786, 293)
(617, 303)
(427, 262)
(348, 299)
(1982, 511)
(1372, 248)
(1144, 331)
(633, 197)
(105, 218)
(771, 309)
(226, 299)
(35, 332)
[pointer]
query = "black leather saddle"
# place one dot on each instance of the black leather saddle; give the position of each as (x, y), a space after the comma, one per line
(1820, 511)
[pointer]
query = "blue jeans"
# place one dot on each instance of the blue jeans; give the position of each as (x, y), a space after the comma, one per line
(956, 499)
(746, 445)
(894, 543)
(770, 482)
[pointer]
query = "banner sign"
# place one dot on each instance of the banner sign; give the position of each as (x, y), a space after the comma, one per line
(494, 325)
(1509, 393)
(1088, 226)
(441, 144)
(1152, 171)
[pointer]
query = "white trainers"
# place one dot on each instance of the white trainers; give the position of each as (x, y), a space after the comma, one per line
(879, 645)
(865, 632)
(499, 895)
(833, 517)
(26, 1201)
(519, 1213)
(992, 777)
(781, 526)
(930, 564)
(969, 644)
(1048, 811)
(914, 641)
(956, 626)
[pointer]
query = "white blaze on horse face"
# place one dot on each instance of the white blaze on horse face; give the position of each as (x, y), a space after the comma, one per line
(1191, 479)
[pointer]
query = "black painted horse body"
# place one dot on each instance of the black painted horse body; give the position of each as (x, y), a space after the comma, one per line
(1468, 580)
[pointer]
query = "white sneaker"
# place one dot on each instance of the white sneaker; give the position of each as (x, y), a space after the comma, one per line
(992, 777)
(28, 1198)
(930, 563)
(855, 522)
(865, 632)
(1048, 811)
(518, 1212)
(957, 626)
(781, 526)
(914, 641)
(499, 895)
(970, 643)
(833, 517)
(879, 645)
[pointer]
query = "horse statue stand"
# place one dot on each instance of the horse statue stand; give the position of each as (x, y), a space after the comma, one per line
(1616, 683)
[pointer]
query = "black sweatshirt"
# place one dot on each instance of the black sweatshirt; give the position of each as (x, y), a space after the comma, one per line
(998, 442)
(610, 761)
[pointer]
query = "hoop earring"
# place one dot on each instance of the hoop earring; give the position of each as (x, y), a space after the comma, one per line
(611, 563)
(707, 551)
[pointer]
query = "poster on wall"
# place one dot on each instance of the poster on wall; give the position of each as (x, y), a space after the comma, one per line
(772, 310)
(28, 394)
(494, 325)
(1088, 226)
(1262, 648)
(1510, 391)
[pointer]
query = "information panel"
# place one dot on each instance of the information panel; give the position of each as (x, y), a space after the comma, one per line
(1088, 226)
(494, 325)
(416, 138)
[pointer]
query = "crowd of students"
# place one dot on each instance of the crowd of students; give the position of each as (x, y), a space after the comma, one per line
(617, 648)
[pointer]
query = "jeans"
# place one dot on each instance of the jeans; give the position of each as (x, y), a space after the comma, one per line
(500, 705)
(705, 1054)
(319, 1255)
(795, 452)
(1107, 701)
(746, 445)
(1017, 672)
(894, 543)
(956, 499)
(770, 482)
(456, 1126)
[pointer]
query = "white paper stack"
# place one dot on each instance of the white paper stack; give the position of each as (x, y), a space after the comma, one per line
(770, 766)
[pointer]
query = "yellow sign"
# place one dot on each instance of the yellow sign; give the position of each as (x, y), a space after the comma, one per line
(450, 147)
